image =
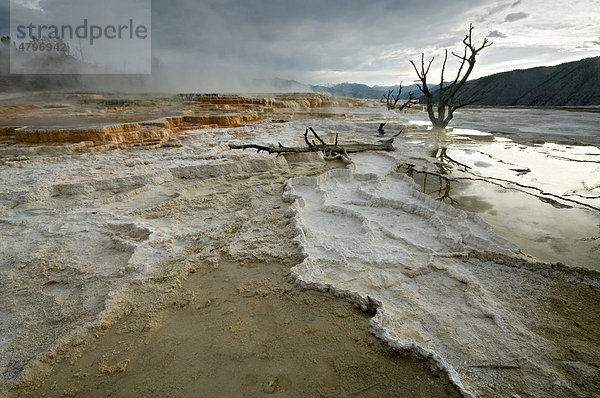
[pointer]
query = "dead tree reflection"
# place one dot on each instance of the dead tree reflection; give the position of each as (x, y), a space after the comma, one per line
(432, 184)
(444, 158)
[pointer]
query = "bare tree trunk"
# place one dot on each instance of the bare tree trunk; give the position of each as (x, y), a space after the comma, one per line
(448, 100)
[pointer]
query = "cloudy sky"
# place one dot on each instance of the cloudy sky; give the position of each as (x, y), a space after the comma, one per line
(214, 43)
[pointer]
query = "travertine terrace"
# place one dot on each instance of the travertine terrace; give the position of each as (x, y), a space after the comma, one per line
(94, 119)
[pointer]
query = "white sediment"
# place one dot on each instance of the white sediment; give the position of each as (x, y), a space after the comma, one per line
(368, 234)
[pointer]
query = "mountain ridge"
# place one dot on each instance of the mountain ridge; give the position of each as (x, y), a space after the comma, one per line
(575, 83)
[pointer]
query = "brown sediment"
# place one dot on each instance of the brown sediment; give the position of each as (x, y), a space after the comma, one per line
(7, 134)
(559, 306)
(296, 100)
(127, 133)
(18, 108)
(87, 120)
(240, 329)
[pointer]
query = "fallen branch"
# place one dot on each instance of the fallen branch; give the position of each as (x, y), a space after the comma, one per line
(330, 151)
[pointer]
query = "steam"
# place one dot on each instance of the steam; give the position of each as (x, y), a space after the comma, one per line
(229, 46)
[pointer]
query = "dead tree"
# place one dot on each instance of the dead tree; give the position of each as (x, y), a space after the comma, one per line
(448, 100)
(391, 100)
(330, 151)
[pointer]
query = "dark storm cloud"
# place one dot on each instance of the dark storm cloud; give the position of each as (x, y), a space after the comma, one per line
(302, 39)
(515, 16)
(216, 44)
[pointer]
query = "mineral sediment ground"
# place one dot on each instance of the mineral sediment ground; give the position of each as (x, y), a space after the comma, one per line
(128, 255)
(140, 256)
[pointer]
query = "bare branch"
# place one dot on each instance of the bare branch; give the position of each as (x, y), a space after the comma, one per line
(416, 70)
(446, 103)
(486, 43)
(429, 66)
(442, 77)
(317, 136)
(387, 97)
(392, 100)
(396, 135)
(468, 102)
(306, 138)
(410, 102)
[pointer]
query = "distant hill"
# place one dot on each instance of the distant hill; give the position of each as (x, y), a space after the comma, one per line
(357, 90)
(570, 84)
(354, 90)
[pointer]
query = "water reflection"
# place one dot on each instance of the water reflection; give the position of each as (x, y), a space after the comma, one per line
(544, 198)
(546, 232)
(432, 184)
(441, 153)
